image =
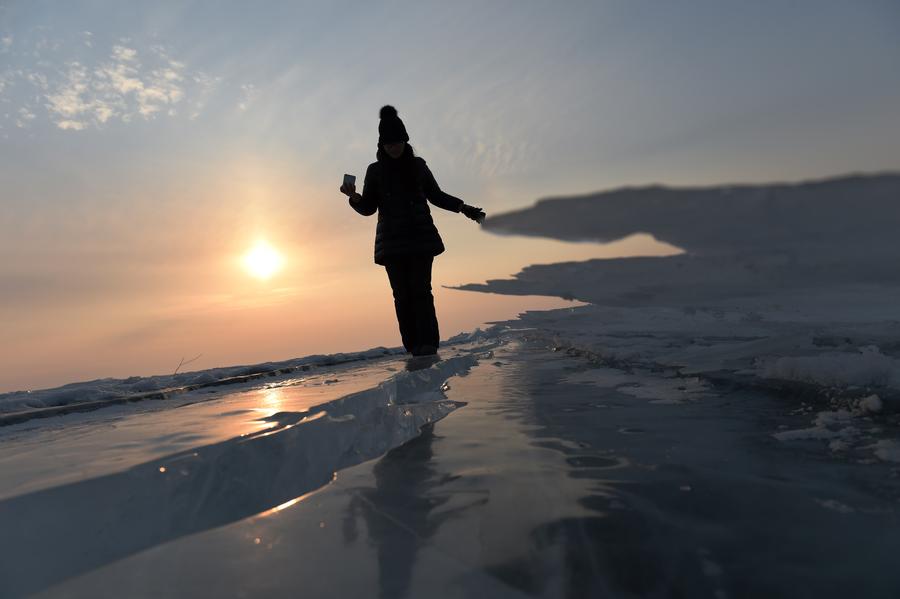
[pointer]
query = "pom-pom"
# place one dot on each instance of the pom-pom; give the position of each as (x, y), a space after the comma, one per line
(387, 111)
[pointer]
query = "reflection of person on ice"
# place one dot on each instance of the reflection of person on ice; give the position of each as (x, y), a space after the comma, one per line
(397, 186)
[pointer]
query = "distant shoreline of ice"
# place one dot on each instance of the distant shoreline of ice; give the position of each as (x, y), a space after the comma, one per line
(21, 406)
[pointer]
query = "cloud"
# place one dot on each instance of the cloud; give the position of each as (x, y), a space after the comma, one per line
(25, 117)
(6, 43)
(73, 125)
(39, 80)
(118, 88)
(123, 54)
(204, 85)
(249, 93)
(126, 84)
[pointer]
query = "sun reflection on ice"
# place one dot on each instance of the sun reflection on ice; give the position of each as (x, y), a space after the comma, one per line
(272, 399)
(296, 500)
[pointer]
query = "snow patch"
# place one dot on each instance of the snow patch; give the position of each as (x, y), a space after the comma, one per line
(887, 450)
(866, 367)
(871, 404)
(827, 425)
(643, 385)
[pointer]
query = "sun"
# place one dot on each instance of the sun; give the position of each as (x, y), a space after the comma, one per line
(262, 260)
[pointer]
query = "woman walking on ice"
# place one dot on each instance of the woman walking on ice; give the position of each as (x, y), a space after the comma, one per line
(397, 186)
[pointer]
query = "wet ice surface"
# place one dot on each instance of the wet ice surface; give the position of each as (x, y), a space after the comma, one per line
(127, 480)
(42, 453)
(553, 481)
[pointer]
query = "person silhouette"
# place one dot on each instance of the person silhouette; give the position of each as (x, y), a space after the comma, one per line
(399, 185)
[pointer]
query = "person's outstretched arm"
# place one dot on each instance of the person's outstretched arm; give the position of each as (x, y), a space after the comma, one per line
(446, 201)
(437, 196)
(366, 203)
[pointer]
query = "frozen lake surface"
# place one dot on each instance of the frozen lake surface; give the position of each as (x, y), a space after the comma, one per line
(556, 479)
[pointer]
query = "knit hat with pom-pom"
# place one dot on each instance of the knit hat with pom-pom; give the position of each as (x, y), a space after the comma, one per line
(390, 127)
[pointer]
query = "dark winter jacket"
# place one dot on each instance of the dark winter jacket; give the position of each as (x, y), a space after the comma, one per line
(404, 218)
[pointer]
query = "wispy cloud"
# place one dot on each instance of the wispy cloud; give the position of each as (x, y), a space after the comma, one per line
(121, 87)
(249, 93)
(126, 84)
(25, 116)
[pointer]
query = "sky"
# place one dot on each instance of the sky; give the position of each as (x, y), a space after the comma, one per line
(145, 147)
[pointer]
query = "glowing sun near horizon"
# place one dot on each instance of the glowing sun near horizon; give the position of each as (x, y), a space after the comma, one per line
(262, 260)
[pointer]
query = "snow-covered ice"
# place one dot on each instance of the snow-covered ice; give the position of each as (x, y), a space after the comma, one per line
(788, 288)
(865, 366)
(107, 391)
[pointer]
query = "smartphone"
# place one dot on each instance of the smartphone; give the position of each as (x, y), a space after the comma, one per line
(349, 180)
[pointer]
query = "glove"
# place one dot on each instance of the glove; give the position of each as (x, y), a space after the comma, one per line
(473, 212)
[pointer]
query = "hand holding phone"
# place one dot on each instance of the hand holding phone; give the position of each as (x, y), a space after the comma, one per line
(349, 186)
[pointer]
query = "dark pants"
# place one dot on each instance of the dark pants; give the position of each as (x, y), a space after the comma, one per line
(411, 283)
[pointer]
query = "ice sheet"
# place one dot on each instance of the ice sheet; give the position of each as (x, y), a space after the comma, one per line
(80, 525)
(537, 489)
